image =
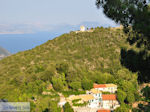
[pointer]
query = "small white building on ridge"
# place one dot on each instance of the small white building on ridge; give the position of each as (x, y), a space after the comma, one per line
(82, 28)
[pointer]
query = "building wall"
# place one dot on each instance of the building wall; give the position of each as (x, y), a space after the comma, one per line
(108, 89)
(82, 28)
(94, 103)
(110, 104)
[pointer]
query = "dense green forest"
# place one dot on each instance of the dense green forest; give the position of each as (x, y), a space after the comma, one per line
(71, 63)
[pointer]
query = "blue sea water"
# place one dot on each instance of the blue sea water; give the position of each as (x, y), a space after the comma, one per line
(19, 42)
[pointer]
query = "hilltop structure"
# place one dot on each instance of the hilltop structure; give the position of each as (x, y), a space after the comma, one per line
(82, 28)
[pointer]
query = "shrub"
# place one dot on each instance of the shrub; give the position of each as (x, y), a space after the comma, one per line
(87, 84)
(68, 108)
(57, 84)
(75, 85)
(121, 95)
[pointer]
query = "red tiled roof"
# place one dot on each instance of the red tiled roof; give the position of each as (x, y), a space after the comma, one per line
(103, 110)
(99, 85)
(109, 97)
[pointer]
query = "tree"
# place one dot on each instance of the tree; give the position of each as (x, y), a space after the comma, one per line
(71, 76)
(134, 13)
(87, 84)
(52, 107)
(121, 95)
(109, 78)
(122, 109)
(68, 108)
(146, 92)
(48, 74)
(127, 86)
(123, 74)
(130, 97)
(62, 68)
(57, 84)
(75, 85)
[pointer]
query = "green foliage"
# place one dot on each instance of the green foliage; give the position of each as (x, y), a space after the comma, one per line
(75, 85)
(135, 110)
(44, 104)
(127, 86)
(121, 95)
(57, 84)
(146, 93)
(62, 68)
(48, 73)
(39, 69)
(123, 74)
(130, 97)
(80, 104)
(87, 84)
(122, 109)
(68, 108)
(76, 100)
(35, 87)
(52, 107)
(103, 78)
(71, 76)
(76, 103)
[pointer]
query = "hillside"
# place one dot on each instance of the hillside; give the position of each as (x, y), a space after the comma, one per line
(3, 53)
(66, 61)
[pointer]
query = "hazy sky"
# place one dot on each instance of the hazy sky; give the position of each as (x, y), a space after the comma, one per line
(20, 18)
(49, 12)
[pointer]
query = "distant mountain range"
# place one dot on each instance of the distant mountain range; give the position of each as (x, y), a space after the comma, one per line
(3, 53)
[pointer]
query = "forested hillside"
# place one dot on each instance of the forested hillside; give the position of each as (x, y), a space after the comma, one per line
(68, 62)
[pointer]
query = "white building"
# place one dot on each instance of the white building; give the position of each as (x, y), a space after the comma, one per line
(105, 101)
(94, 103)
(96, 99)
(112, 88)
(82, 28)
(109, 101)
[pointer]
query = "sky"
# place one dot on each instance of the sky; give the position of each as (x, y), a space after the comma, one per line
(42, 14)
(25, 24)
